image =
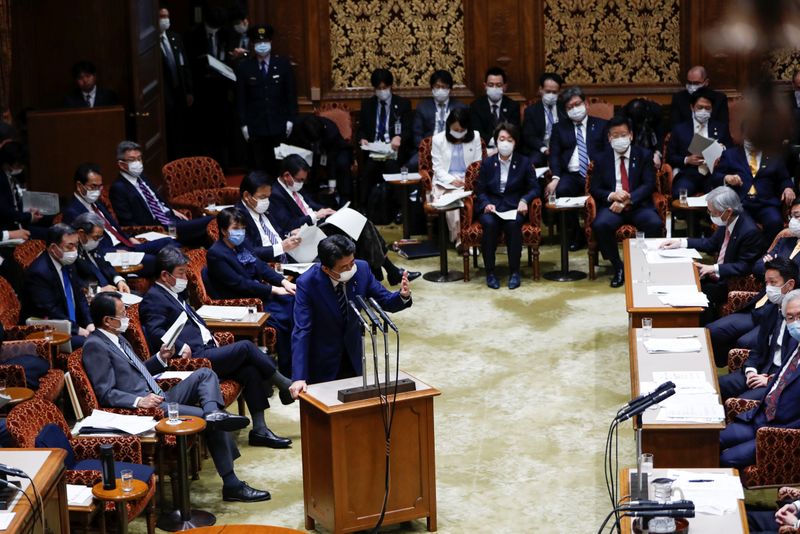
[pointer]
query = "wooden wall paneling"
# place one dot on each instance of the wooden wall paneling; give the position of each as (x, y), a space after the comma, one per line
(531, 46)
(725, 70)
(476, 43)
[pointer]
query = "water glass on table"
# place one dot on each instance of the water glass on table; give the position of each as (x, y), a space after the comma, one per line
(647, 326)
(551, 198)
(48, 334)
(173, 231)
(404, 173)
(640, 240)
(683, 195)
(173, 413)
(127, 480)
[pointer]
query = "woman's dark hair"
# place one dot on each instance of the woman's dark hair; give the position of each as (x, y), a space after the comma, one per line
(512, 129)
(227, 217)
(460, 115)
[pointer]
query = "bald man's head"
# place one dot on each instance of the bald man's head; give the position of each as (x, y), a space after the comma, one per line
(697, 75)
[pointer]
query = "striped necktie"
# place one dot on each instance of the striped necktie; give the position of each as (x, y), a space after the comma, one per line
(341, 296)
(137, 363)
(583, 156)
(771, 400)
(724, 247)
(273, 238)
(549, 126)
(65, 277)
(155, 206)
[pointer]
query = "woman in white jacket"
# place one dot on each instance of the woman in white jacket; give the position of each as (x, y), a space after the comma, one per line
(452, 151)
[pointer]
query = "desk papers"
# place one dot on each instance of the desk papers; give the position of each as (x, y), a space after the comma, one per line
(129, 299)
(698, 144)
(379, 150)
(218, 207)
(678, 300)
(152, 236)
(510, 215)
(79, 495)
(221, 67)
(347, 220)
(695, 399)
(298, 268)
(401, 177)
(712, 493)
(283, 150)
(46, 203)
(223, 313)
(712, 153)
(182, 375)
(310, 236)
(451, 199)
(131, 424)
(7, 517)
(115, 258)
(662, 345)
(697, 202)
(571, 202)
(541, 171)
(169, 337)
(679, 253)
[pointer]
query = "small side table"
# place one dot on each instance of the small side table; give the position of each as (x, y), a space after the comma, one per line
(403, 184)
(120, 499)
(59, 338)
(563, 275)
(691, 215)
(19, 394)
(184, 518)
(444, 274)
(129, 269)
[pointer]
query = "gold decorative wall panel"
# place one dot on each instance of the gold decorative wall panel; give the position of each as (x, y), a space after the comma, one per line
(783, 63)
(615, 42)
(412, 38)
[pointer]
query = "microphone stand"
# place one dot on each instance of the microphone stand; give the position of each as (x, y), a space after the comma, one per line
(363, 344)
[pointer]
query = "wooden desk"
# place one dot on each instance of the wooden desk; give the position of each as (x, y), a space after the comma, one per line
(252, 327)
(128, 269)
(675, 444)
(344, 458)
(639, 304)
(48, 466)
(730, 523)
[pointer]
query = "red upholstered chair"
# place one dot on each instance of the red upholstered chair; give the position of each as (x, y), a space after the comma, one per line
(339, 113)
(472, 232)
(51, 385)
(26, 252)
(25, 422)
(626, 231)
(736, 358)
(600, 108)
(9, 313)
(193, 183)
(212, 230)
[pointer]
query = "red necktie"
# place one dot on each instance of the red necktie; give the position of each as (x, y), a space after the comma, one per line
(111, 230)
(623, 172)
(299, 202)
(721, 257)
(771, 400)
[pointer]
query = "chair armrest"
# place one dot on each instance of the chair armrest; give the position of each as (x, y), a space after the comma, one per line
(126, 448)
(51, 385)
(535, 212)
(427, 179)
(590, 211)
(20, 332)
(736, 358)
(661, 204)
(155, 413)
(776, 461)
(788, 493)
(13, 374)
(223, 338)
(465, 213)
(734, 407)
(786, 529)
(238, 302)
(736, 301)
(189, 364)
(83, 478)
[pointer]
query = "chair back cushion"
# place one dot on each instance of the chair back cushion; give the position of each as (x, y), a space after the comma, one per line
(26, 420)
(339, 114)
(197, 289)
(52, 437)
(189, 174)
(83, 387)
(9, 304)
(28, 251)
(135, 334)
(140, 471)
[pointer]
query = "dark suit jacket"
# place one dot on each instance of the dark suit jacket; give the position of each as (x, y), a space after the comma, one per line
(760, 357)
(322, 336)
(770, 180)
(75, 208)
(787, 414)
(680, 110)
(521, 184)
(285, 212)
(116, 382)
(178, 85)
(10, 217)
(265, 103)
(231, 280)
(534, 126)
(425, 117)
(744, 247)
(44, 293)
(101, 270)
(563, 143)
(252, 238)
(103, 97)
(782, 248)
(484, 122)
(129, 205)
(158, 311)
(682, 135)
(641, 177)
(399, 112)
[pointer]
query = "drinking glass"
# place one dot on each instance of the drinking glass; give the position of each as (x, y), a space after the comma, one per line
(647, 464)
(124, 260)
(48, 333)
(683, 194)
(404, 173)
(127, 480)
(173, 231)
(173, 413)
(647, 326)
(551, 198)
(640, 240)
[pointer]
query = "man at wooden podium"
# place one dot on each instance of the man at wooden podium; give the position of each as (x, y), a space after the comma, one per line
(326, 341)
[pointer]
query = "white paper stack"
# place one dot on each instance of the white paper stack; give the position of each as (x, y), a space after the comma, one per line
(152, 236)
(712, 493)
(115, 258)
(679, 253)
(223, 313)
(399, 177)
(663, 345)
(571, 202)
(510, 215)
(298, 268)
(218, 207)
(129, 299)
(347, 220)
(310, 236)
(541, 171)
(379, 150)
(182, 375)
(685, 408)
(684, 296)
(283, 150)
(450, 199)
(696, 202)
(132, 424)
(79, 495)
(6, 518)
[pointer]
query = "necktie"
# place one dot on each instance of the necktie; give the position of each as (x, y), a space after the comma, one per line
(264, 68)
(785, 344)
(548, 128)
(137, 363)
(299, 202)
(753, 164)
(273, 237)
(495, 114)
(169, 57)
(721, 257)
(382, 123)
(583, 157)
(12, 183)
(763, 300)
(111, 230)
(440, 120)
(68, 294)
(153, 203)
(771, 400)
(795, 250)
(89, 100)
(204, 331)
(623, 173)
(341, 296)
(98, 274)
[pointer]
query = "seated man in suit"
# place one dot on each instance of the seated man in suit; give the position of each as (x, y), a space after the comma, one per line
(14, 219)
(488, 112)
(53, 288)
(622, 185)
(384, 117)
(120, 379)
(786, 247)
(326, 342)
(291, 208)
(737, 242)
(34, 365)
(137, 203)
(574, 143)
(680, 110)
(768, 522)
(506, 182)
(431, 113)
(234, 272)
(773, 343)
(263, 235)
(86, 93)
(762, 181)
(88, 189)
(690, 171)
(243, 361)
(91, 265)
(780, 406)
(541, 117)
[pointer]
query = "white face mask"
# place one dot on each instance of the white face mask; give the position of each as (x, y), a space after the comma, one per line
(163, 24)
(457, 135)
(296, 187)
(692, 87)
(717, 220)
(240, 28)
(506, 148)
(578, 113)
(702, 116)
(441, 95)
(347, 275)
(90, 245)
(92, 196)
(383, 94)
(549, 99)
(262, 49)
(620, 144)
(123, 324)
(794, 226)
(775, 294)
(135, 168)
(262, 205)
(68, 258)
(494, 93)
(180, 285)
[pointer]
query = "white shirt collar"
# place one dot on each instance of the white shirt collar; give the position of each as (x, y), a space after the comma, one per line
(110, 335)
(731, 224)
(583, 124)
(131, 178)
(626, 154)
(57, 265)
(91, 93)
(210, 30)
(169, 290)
(83, 201)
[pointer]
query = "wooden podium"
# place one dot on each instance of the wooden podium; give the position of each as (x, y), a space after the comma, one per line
(46, 467)
(344, 458)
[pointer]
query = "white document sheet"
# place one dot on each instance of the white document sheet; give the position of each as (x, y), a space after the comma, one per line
(679, 253)
(221, 67)
(46, 203)
(510, 215)
(152, 236)
(174, 331)
(663, 345)
(306, 251)
(711, 493)
(223, 313)
(447, 199)
(115, 258)
(378, 147)
(654, 257)
(678, 300)
(6, 518)
(218, 207)
(183, 375)
(298, 268)
(400, 177)
(541, 171)
(712, 153)
(129, 299)
(348, 220)
(132, 424)
(571, 202)
(696, 202)
(666, 290)
(283, 150)
(79, 495)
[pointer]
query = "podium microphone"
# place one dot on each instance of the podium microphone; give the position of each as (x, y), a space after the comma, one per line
(678, 512)
(633, 403)
(652, 400)
(377, 307)
(376, 324)
(364, 327)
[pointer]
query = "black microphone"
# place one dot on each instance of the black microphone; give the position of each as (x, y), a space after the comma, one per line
(371, 314)
(358, 314)
(679, 512)
(633, 403)
(383, 314)
(653, 399)
(12, 471)
(656, 505)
